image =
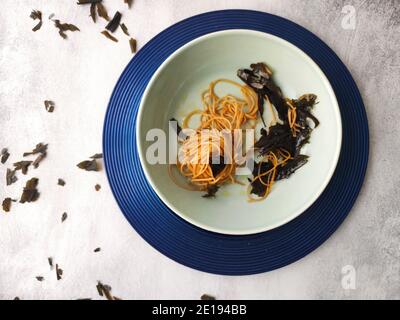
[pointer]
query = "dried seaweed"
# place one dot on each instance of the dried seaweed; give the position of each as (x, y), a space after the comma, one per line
(30, 192)
(207, 297)
(109, 36)
(260, 80)
(38, 159)
(124, 29)
(36, 14)
(4, 155)
(7, 204)
(216, 168)
(50, 260)
(39, 278)
(129, 3)
(61, 182)
(93, 11)
(49, 105)
(287, 136)
(40, 148)
(178, 127)
(102, 11)
(133, 45)
(104, 290)
(22, 165)
(63, 27)
(278, 136)
(88, 165)
(97, 187)
(291, 166)
(96, 156)
(211, 191)
(64, 217)
(97, 250)
(114, 23)
(10, 177)
(59, 272)
(99, 288)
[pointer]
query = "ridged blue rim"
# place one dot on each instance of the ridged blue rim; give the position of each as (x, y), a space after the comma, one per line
(208, 251)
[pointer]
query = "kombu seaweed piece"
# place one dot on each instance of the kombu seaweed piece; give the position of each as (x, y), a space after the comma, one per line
(260, 80)
(64, 217)
(39, 278)
(104, 290)
(279, 136)
(40, 148)
(4, 155)
(59, 272)
(178, 130)
(261, 69)
(88, 165)
(38, 159)
(30, 192)
(304, 106)
(283, 172)
(114, 23)
(97, 156)
(178, 127)
(217, 168)
(93, 11)
(61, 182)
(97, 250)
(211, 191)
(62, 27)
(23, 166)
(99, 288)
(207, 297)
(109, 36)
(124, 29)
(102, 11)
(257, 187)
(7, 204)
(36, 14)
(129, 3)
(133, 45)
(10, 176)
(50, 260)
(49, 105)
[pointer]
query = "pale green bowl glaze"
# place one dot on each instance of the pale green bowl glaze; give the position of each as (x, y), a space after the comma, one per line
(175, 89)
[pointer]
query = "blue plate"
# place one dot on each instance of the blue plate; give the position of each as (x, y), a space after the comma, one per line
(208, 251)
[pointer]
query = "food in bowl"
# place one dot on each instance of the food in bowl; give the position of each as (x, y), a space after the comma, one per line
(210, 154)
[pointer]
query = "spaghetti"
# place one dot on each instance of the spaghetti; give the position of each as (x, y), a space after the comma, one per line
(220, 115)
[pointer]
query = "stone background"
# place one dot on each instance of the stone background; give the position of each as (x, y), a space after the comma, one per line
(79, 75)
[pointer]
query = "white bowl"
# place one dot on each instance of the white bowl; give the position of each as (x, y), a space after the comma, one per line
(175, 90)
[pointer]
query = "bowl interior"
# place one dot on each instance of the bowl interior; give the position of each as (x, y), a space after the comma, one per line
(175, 90)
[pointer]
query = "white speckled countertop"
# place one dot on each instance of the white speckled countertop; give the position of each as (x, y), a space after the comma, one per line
(79, 75)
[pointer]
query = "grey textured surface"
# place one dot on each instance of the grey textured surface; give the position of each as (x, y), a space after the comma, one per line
(79, 75)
